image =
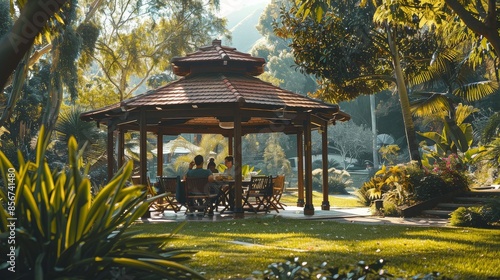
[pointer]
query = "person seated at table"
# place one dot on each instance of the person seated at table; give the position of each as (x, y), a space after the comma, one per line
(196, 169)
(228, 162)
(211, 166)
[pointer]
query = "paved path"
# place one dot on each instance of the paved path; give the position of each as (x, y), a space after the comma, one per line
(349, 215)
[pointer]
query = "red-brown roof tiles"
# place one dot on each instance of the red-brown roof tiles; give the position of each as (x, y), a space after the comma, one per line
(223, 88)
(208, 80)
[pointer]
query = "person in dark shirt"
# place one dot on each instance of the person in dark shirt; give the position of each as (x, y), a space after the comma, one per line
(196, 169)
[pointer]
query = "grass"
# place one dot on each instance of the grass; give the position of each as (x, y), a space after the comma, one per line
(290, 198)
(236, 248)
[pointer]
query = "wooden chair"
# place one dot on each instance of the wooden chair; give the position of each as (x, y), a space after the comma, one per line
(156, 205)
(198, 195)
(278, 188)
(259, 194)
(169, 186)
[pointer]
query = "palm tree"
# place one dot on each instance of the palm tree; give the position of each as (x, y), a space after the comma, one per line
(492, 128)
(210, 145)
(449, 80)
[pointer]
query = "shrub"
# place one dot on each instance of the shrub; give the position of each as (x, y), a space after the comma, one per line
(62, 232)
(478, 216)
(295, 269)
(405, 184)
(391, 184)
(338, 180)
(363, 194)
(429, 186)
(468, 217)
(390, 209)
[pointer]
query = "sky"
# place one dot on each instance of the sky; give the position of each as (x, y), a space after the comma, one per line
(227, 6)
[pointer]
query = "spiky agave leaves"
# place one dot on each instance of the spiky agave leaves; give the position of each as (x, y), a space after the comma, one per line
(63, 232)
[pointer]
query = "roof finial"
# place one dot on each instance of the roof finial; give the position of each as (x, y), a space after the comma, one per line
(216, 42)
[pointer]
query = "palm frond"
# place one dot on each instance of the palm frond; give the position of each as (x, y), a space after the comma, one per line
(462, 112)
(492, 128)
(431, 103)
(441, 63)
(476, 90)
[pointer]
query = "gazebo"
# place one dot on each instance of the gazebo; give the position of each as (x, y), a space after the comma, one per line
(218, 93)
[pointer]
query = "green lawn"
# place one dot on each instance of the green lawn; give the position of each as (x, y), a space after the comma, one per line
(290, 198)
(236, 248)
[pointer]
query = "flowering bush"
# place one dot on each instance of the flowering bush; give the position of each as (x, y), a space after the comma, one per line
(451, 170)
(407, 184)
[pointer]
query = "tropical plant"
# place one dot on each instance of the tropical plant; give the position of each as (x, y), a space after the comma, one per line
(390, 184)
(246, 170)
(69, 124)
(457, 135)
(389, 153)
(449, 80)
(492, 128)
(490, 156)
(338, 180)
(61, 231)
(206, 147)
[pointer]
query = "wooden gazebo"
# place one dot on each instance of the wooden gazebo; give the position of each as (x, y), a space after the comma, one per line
(218, 93)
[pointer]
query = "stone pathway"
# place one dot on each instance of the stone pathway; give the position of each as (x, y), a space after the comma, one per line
(360, 215)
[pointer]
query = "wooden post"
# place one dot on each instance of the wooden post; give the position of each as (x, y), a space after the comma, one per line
(121, 147)
(109, 151)
(300, 168)
(230, 144)
(325, 205)
(143, 158)
(309, 207)
(238, 207)
(159, 158)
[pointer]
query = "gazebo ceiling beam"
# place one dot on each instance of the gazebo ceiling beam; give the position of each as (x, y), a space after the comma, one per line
(156, 116)
(212, 129)
(218, 111)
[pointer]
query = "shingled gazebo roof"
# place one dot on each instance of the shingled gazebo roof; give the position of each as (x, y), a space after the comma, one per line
(217, 83)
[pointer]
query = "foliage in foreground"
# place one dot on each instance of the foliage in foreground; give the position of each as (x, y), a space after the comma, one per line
(295, 270)
(52, 228)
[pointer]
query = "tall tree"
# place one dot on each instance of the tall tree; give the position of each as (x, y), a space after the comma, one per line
(140, 38)
(276, 50)
(29, 25)
(478, 24)
(356, 55)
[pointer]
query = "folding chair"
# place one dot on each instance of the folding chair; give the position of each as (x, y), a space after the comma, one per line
(198, 195)
(278, 188)
(259, 193)
(169, 186)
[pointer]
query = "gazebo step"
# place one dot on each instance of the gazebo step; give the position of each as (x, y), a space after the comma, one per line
(438, 213)
(455, 205)
(474, 199)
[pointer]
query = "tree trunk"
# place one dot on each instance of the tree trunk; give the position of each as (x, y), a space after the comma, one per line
(488, 28)
(15, 44)
(53, 102)
(404, 100)
(20, 76)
